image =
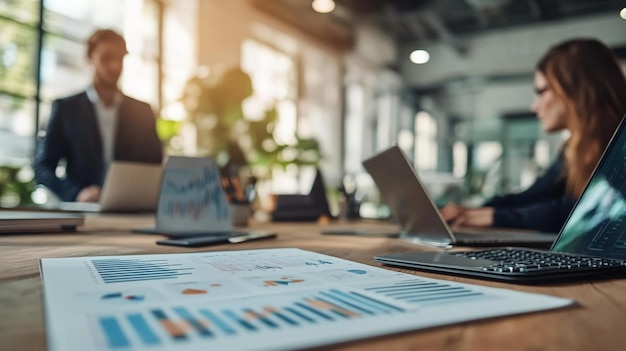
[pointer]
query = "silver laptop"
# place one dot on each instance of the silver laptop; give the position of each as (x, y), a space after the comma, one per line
(17, 222)
(419, 219)
(128, 187)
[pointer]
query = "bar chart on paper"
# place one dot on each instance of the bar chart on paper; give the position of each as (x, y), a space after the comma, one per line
(427, 292)
(251, 300)
(130, 270)
(251, 318)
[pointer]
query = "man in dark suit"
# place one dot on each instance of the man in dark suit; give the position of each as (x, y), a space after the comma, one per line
(95, 127)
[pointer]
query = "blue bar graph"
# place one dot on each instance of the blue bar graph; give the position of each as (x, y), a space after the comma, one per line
(194, 322)
(241, 321)
(348, 302)
(114, 334)
(425, 293)
(261, 317)
(130, 270)
(148, 337)
(306, 308)
(240, 318)
(300, 315)
(170, 327)
(218, 322)
(284, 318)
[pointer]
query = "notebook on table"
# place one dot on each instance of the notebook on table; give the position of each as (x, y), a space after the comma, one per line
(128, 187)
(592, 242)
(16, 222)
(419, 218)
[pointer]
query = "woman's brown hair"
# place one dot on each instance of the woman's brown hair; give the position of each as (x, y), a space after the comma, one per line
(585, 74)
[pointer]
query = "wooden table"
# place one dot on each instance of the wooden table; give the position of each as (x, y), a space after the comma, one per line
(596, 323)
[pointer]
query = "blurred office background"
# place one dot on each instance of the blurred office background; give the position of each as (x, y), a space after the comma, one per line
(450, 81)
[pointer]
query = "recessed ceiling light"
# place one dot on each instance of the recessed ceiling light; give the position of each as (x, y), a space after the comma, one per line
(323, 6)
(622, 13)
(420, 57)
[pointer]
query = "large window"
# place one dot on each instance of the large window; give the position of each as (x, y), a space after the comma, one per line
(273, 78)
(18, 47)
(42, 57)
(273, 75)
(425, 142)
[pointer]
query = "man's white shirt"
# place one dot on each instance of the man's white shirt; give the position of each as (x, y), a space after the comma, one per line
(107, 122)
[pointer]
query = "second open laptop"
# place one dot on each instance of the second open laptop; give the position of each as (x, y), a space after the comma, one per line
(419, 218)
(128, 187)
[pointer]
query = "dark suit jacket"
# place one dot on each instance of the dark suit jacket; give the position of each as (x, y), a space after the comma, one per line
(73, 134)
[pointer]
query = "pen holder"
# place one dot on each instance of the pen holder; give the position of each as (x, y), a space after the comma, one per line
(240, 214)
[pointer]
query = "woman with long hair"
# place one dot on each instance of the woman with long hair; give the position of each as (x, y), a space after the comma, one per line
(580, 88)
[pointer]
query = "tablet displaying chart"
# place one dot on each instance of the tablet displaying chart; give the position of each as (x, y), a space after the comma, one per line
(191, 198)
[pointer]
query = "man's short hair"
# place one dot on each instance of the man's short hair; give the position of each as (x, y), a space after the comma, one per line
(101, 36)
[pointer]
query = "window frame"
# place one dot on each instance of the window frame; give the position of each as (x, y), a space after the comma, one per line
(38, 26)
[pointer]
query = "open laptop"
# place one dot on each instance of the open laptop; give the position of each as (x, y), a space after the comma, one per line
(128, 187)
(592, 242)
(17, 222)
(419, 218)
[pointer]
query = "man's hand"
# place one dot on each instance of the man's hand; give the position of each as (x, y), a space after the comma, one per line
(89, 194)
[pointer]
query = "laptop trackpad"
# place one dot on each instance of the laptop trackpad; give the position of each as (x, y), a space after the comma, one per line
(432, 258)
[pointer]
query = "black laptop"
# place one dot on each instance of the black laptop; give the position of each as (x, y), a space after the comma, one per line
(592, 242)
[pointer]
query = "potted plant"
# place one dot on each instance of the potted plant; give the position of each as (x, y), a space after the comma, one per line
(214, 106)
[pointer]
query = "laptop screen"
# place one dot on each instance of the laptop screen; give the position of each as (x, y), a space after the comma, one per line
(597, 225)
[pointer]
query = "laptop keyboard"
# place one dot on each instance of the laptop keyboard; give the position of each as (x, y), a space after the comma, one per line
(521, 260)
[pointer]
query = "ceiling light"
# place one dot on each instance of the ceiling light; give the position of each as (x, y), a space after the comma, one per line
(323, 6)
(420, 57)
(622, 13)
